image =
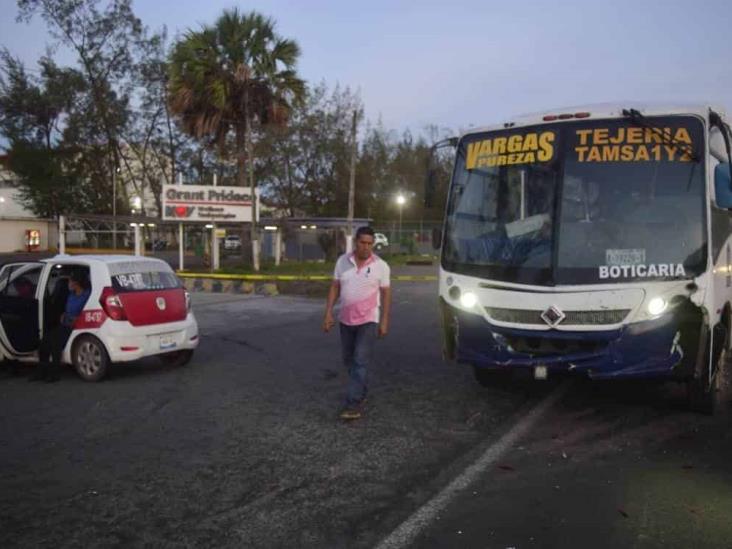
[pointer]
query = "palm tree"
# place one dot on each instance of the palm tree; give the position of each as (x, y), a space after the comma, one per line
(228, 77)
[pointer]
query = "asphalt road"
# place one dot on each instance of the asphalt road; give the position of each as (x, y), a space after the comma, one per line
(243, 448)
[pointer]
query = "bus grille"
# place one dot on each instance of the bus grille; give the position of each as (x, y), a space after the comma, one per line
(575, 318)
(543, 346)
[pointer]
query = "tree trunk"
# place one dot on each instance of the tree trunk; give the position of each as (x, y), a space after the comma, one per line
(241, 155)
(250, 166)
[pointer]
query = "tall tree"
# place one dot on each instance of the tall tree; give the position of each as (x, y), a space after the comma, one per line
(110, 43)
(229, 77)
(307, 165)
(32, 110)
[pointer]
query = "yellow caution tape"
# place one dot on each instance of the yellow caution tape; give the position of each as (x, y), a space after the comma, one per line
(219, 276)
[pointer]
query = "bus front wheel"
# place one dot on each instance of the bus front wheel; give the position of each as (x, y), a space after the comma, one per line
(705, 392)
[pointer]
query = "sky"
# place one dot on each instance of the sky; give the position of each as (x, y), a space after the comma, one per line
(472, 63)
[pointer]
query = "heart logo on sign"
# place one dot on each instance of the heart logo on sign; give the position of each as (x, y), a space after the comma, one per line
(180, 211)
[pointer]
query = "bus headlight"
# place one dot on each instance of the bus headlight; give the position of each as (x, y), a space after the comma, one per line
(468, 300)
(656, 306)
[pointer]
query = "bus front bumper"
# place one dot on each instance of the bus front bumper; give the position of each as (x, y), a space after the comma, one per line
(651, 349)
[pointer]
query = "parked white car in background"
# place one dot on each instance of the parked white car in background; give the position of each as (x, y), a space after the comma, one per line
(232, 242)
(380, 241)
(137, 308)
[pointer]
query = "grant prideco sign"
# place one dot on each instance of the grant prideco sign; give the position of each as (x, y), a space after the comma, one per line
(191, 203)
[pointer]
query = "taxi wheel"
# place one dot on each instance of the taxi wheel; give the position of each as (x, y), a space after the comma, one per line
(90, 358)
(177, 358)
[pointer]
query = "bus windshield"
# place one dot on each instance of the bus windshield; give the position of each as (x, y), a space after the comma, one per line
(579, 203)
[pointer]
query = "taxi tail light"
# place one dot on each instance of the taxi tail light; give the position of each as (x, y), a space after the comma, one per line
(188, 300)
(112, 304)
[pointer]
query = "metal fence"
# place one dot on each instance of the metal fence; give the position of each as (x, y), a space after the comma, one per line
(411, 238)
(106, 235)
(98, 234)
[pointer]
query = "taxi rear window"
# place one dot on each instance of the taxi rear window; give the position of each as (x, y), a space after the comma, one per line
(145, 281)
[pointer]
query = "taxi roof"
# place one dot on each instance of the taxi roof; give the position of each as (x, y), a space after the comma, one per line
(99, 258)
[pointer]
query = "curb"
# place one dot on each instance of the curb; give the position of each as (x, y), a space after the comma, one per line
(229, 286)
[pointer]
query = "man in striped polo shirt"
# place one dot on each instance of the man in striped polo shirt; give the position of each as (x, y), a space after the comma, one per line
(361, 281)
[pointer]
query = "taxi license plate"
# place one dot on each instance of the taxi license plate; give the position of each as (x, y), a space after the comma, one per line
(167, 342)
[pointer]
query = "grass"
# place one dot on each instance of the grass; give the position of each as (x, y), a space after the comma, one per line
(404, 259)
(285, 268)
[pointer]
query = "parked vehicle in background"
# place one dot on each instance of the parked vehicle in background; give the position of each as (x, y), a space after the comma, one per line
(232, 242)
(137, 308)
(380, 241)
(159, 244)
(596, 241)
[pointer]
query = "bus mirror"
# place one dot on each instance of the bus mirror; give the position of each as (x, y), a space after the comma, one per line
(723, 185)
(437, 238)
(429, 188)
(433, 173)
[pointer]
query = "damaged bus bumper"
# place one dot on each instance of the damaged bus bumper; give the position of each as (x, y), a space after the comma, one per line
(665, 347)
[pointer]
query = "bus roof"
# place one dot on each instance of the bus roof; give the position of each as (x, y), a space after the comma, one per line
(600, 111)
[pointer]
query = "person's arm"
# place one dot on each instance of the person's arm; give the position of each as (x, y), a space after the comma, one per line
(333, 294)
(385, 310)
(385, 289)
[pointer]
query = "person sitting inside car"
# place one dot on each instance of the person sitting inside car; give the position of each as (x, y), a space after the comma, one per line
(54, 341)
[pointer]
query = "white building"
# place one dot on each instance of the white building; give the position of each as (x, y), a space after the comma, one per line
(10, 205)
(15, 219)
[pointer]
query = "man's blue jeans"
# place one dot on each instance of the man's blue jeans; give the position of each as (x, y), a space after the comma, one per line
(357, 347)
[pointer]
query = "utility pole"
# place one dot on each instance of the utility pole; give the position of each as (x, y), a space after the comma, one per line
(181, 234)
(352, 181)
(115, 169)
(252, 190)
(215, 262)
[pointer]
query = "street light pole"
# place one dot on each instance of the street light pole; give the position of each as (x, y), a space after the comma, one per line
(352, 181)
(115, 169)
(114, 208)
(400, 200)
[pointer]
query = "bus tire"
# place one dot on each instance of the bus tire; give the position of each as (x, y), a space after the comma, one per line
(704, 396)
(90, 358)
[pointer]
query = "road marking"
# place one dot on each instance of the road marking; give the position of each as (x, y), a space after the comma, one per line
(408, 530)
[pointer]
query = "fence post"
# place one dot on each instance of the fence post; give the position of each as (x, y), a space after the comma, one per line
(278, 245)
(137, 239)
(61, 234)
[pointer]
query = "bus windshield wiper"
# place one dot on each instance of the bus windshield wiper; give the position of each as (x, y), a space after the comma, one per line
(637, 118)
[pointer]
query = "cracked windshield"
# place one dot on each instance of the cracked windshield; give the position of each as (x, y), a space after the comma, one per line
(580, 203)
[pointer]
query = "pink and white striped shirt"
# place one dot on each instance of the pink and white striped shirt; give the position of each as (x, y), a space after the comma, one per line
(360, 288)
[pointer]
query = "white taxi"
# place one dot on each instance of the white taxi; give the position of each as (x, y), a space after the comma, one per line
(137, 308)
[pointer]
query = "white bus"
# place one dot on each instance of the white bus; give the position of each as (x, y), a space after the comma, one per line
(592, 240)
